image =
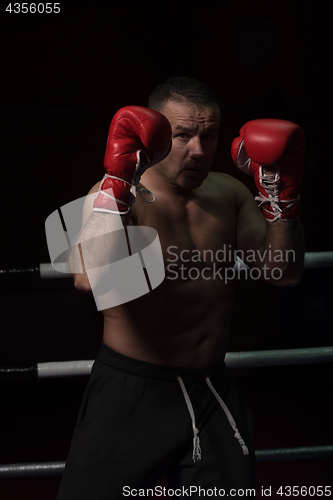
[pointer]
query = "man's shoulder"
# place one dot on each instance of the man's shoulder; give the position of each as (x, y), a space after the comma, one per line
(219, 181)
(225, 189)
(223, 178)
(95, 187)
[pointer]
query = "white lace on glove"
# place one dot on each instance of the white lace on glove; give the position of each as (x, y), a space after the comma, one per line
(270, 182)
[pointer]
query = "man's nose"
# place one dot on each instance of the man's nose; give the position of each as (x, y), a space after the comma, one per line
(196, 150)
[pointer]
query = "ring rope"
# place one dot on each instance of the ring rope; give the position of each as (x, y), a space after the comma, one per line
(313, 260)
(32, 469)
(269, 455)
(279, 357)
(300, 453)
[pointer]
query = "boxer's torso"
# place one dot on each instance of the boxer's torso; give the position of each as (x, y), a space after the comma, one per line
(186, 320)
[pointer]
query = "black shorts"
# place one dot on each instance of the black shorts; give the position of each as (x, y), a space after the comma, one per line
(134, 426)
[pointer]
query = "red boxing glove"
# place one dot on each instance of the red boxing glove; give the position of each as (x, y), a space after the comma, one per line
(138, 138)
(279, 143)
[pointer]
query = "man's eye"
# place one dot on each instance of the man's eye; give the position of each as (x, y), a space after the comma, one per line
(182, 136)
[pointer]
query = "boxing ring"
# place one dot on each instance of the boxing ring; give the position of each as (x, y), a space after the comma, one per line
(264, 358)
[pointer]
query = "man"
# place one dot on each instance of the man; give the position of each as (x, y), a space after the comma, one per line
(160, 401)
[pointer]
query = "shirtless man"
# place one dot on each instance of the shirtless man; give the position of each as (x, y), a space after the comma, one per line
(160, 400)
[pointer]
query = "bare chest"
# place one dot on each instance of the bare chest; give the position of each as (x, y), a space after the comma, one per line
(197, 235)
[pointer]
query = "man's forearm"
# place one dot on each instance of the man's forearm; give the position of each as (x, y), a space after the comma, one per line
(101, 241)
(284, 252)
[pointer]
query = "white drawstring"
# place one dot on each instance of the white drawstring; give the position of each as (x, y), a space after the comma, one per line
(196, 441)
(229, 417)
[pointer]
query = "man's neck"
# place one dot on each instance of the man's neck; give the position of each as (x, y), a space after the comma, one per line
(159, 185)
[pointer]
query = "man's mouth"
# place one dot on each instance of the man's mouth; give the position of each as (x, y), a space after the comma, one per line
(194, 168)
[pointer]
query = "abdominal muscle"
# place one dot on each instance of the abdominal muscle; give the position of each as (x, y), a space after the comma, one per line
(186, 323)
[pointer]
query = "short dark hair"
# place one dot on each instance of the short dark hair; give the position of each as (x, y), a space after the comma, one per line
(182, 89)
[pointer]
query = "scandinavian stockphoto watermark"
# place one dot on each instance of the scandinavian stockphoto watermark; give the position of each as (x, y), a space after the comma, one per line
(121, 264)
(226, 263)
(125, 263)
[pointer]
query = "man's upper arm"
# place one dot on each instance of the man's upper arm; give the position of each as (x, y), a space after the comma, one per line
(92, 229)
(88, 203)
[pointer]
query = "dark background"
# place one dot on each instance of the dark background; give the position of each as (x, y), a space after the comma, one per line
(63, 77)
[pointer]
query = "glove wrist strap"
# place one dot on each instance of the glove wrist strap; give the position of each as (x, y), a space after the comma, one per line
(133, 189)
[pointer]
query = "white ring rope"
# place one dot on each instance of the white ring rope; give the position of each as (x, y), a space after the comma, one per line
(318, 259)
(232, 360)
(313, 260)
(279, 357)
(32, 469)
(269, 455)
(64, 369)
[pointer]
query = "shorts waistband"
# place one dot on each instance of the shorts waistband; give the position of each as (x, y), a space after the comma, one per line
(162, 372)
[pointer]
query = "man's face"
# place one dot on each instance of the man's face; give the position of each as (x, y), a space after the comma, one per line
(194, 142)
